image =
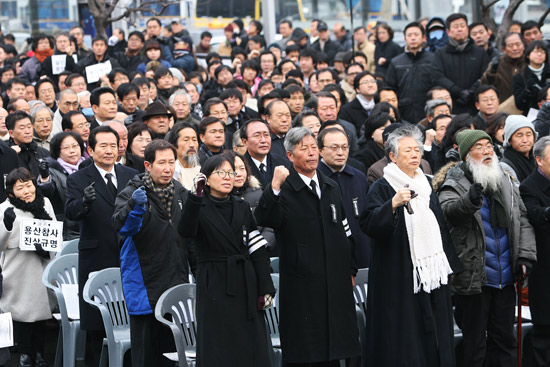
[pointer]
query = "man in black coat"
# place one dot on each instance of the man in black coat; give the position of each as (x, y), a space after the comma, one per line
(91, 194)
(8, 162)
(358, 110)
(410, 74)
(325, 44)
(334, 150)
(257, 140)
(98, 55)
(535, 192)
(317, 310)
(460, 64)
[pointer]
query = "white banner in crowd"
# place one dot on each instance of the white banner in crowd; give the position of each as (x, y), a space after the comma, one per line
(49, 233)
(93, 72)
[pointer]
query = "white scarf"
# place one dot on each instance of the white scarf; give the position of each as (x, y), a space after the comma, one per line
(430, 265)
(365, 103)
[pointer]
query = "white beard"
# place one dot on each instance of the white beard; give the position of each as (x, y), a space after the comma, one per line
(489, 176)
(192, 160)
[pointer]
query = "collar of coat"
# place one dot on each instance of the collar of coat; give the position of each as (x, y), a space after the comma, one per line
(297, 184)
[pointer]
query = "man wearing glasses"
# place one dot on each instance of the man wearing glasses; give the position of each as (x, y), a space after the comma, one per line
(358, 110)
(77, 122)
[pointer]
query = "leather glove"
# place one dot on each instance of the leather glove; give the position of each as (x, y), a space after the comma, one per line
(452, 155)
(546, 214)
(9, 218)
(198, 184)
(519, 269)
(89, 194)
(464, 97)
(476, 194)
(139, 196)
(494, 63)
(43, 167)
(40, 251)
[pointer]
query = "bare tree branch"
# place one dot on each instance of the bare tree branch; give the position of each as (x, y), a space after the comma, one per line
(486, 15)
(145, 7)
(507, 19)
(543, 17)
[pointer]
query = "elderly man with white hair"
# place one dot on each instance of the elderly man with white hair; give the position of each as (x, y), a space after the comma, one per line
(492, 236)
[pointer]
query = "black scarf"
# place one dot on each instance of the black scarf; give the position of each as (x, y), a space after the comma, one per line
(36, 207)
(495, 201)
(521, 164)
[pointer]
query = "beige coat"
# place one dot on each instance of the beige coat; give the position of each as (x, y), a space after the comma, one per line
(24, 295)
(368, 49)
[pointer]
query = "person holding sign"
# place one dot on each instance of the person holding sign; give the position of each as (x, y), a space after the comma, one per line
(24, 295)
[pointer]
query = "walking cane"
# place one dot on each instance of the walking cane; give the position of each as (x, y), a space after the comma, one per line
(518, 287)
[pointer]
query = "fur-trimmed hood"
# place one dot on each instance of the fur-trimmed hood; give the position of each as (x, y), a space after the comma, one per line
(439, 177)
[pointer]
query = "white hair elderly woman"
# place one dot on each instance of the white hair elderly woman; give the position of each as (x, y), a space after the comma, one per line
(409, 302)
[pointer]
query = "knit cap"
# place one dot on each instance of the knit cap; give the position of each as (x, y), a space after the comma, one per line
(514, 123)
(467, 138)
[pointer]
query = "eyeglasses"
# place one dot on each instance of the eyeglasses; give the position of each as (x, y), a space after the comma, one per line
(82, 125)
(369, 81)
(483, 148)
(73, 146)
(224, 174)
(336, 148)
(491, 99)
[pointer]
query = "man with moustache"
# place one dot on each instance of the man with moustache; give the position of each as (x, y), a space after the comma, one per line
(185, 137)
(492, 236)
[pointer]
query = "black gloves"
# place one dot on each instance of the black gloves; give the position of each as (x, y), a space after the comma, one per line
(41, 252)
(519, 269)
(452, 155)
(546, 214)
(89, 195)
(43, 167)
(476, 194)
(465, 97)
(9, 218)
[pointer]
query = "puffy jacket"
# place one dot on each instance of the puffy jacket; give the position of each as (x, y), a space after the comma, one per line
(410, 75)
(465, 222)
(498, 263)
(457, 71)
(153, 257)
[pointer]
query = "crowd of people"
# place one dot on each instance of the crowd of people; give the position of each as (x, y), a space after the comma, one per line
(428, 164)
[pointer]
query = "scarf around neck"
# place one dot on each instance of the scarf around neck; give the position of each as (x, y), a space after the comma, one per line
(459, 46)
(36, 207)
(366, 104)
(70, 168)
(43, 54)
(166, 194)
(430, 265)
(522, 165)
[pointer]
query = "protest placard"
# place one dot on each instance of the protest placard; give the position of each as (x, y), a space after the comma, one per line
(48, 233)
(93, 72)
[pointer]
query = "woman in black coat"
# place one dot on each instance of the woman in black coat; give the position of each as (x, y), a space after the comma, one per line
(233, 281)
(534, 77)
(373, 150)
(386, 49)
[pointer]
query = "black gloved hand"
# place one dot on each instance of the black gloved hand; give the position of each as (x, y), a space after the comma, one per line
(464, 97)
(43, 167)
(40, 251)
(89, 194)
(9, 218)
(546, 214)
(519, 269)
(494, 63)
(452, 155)
(476, 194)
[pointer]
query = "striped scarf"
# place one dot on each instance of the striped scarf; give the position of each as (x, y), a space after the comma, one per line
(166, 194)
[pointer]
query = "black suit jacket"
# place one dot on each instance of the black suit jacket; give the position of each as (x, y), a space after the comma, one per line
(354, 113)
(98, 247)
(273, 160)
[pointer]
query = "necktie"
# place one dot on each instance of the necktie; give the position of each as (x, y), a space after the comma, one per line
(110, 184)
(263, 171)
(313, 185)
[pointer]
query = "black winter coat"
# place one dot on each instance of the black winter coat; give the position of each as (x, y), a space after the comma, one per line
(317, 310)
(387, 50)
(527, 87)
(404, 328)
(354, 113)
(231, 330)
(30, 156)
(458, 71)
(8, 162)
(535, 192)
(91, 60)
(98, 248)
(46, 68)
(331, 49)
(410, 76)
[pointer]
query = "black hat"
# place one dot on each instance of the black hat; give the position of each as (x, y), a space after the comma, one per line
(322, 26)
(156, 109)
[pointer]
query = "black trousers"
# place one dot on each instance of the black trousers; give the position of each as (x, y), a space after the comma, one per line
(29, 336)
(490, 313)
(150, 339)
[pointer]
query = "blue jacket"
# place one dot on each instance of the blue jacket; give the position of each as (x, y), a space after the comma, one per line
(498, 262)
